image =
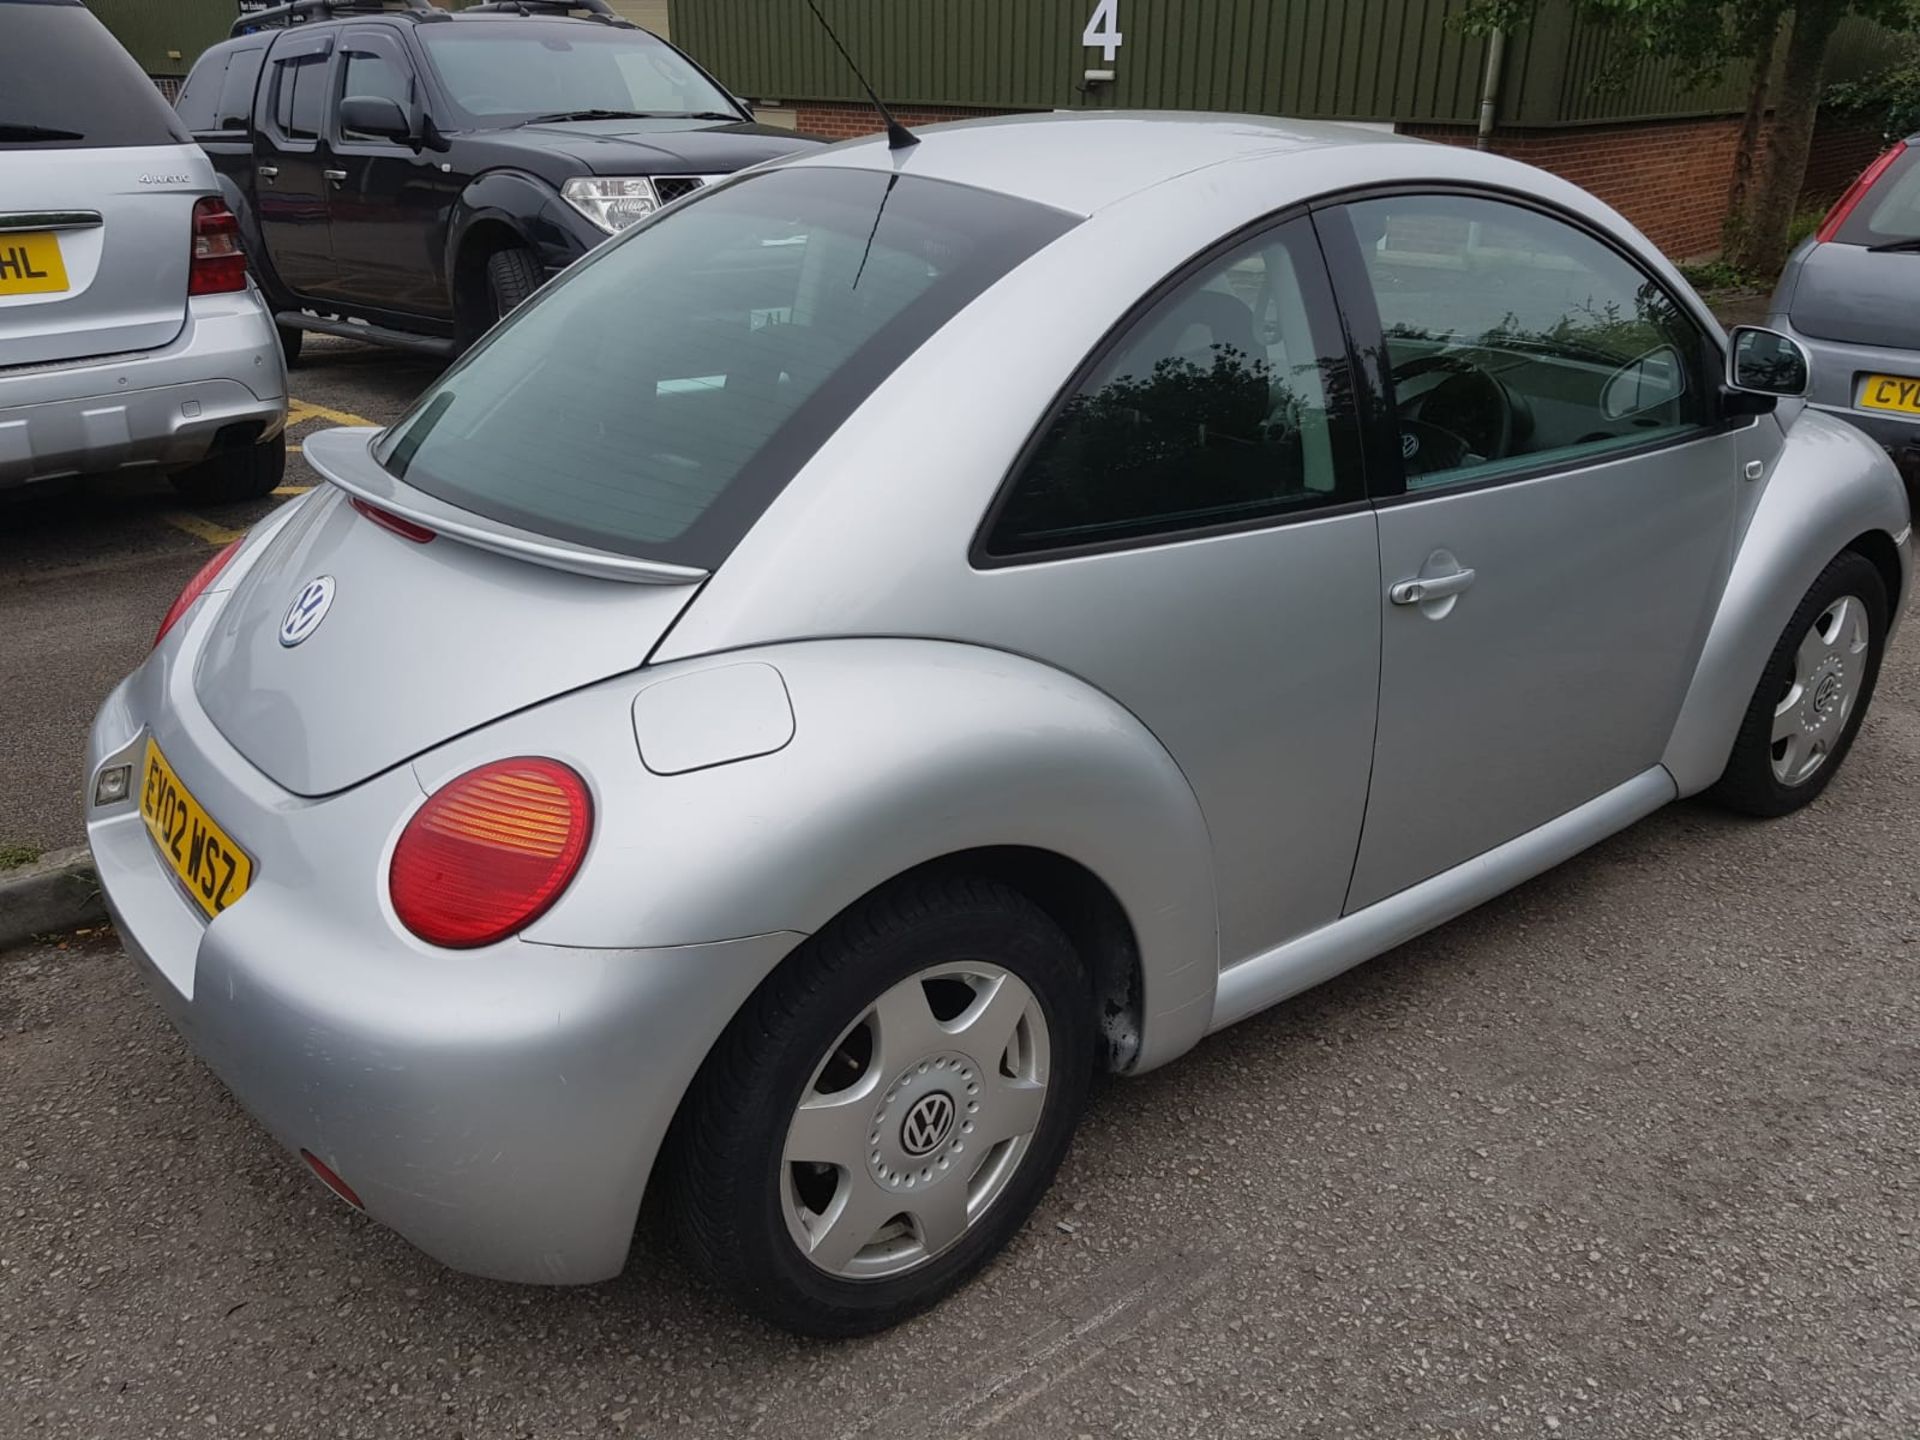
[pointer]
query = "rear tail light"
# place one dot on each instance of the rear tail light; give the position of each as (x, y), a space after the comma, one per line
(195, 588)
(1856, 192)
(219, 264)
(490, 851)
(387, 520)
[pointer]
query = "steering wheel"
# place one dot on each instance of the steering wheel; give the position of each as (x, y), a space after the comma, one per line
(1477, 412)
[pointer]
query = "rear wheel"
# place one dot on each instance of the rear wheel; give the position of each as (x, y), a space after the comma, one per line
(241, 472)
(1813, 694)
(887, 1110)
(512, 277)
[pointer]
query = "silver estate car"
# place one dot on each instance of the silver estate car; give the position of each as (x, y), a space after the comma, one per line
(1851, 296)
(129, 333)
(910, 628)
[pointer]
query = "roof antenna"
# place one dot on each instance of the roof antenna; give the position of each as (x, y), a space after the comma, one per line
(898, 136)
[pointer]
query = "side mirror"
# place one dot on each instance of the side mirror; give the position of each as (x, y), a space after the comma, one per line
(375, 115)
(1765, 362)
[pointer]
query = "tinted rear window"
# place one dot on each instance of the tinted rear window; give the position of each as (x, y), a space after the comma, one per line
(655, 400)
(66, 83)
(1890, 211)
(218, 94)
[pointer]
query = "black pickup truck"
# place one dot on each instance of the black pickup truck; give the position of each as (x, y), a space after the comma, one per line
(408, 175)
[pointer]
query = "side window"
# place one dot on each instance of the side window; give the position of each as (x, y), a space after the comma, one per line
(196, 102)
(235, 108)
(298, 95)
(373, 65)
(1226, 402)
(1516, 339)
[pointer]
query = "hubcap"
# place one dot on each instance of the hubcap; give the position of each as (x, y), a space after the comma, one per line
(915, 1121)
(1817, 701)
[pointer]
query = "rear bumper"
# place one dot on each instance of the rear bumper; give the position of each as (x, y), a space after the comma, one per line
(161, 406)
(1838, 372)
(499, 1108)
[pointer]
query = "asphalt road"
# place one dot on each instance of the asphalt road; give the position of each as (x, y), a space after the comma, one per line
(87, 570)
(1633, 1152)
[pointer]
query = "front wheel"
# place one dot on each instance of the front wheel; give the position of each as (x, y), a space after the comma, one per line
(1813, 694)
(884, 1114)
(512, 277)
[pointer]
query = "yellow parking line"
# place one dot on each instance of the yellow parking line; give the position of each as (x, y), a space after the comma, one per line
(292, 490)
(302, 410)
(202, 529)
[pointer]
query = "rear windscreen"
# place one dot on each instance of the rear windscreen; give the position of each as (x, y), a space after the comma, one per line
(66, 83)
(1890, 212)
(654, 400)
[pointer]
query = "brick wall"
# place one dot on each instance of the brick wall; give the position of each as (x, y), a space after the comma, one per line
(840, 120)
(1667, 176)
(1670, 177)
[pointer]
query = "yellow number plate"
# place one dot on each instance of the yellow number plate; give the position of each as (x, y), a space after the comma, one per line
(1891, 392)
(30, 264)
(215, 871)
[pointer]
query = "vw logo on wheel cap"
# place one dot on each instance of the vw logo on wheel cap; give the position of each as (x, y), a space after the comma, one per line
(927, 1123)
(309, 608)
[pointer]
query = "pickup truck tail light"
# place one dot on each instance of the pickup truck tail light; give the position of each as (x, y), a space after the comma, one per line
(219, 264)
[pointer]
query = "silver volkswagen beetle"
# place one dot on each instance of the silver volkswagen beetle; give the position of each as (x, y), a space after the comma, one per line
(910, 628)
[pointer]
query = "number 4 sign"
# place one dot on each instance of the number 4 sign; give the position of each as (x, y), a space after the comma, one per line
(1103, 30)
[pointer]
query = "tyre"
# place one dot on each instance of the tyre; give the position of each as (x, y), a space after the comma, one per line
(886, 1111)
(291, 339)
(244, 472)
(512, 277)
(1813, 694)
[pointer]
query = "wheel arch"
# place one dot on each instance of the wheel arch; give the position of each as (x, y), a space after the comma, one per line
(1831, 490)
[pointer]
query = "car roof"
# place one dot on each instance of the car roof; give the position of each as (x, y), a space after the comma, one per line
(1085, 161)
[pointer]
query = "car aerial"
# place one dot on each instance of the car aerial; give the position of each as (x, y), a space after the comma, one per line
(1851, 295)
(128, 332)
(409, 175)
(912, 627)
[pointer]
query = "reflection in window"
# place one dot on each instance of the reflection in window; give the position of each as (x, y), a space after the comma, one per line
(1514, 338)
(1213, 409)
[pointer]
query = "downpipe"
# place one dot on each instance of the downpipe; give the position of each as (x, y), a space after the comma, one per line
(1490, 88)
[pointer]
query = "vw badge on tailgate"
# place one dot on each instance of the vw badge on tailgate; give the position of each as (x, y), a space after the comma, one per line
(309, 608)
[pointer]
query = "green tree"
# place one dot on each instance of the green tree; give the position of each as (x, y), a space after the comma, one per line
(1708, 38)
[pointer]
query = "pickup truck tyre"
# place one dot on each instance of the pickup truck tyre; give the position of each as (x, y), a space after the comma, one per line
(246, 472)
(291, 338)
(512, 277)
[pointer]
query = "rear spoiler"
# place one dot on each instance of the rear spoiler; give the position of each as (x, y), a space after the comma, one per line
(344, 459)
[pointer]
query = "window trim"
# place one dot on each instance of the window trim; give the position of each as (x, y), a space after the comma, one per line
(282, 60)
(1353, 292)
(979, 557)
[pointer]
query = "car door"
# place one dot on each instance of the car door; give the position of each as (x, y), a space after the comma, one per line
(1562, 525)
(1188, 531)
(290, 188)
(389, 203)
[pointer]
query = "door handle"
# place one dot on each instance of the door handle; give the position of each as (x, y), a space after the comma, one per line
(267, 172)
(336, 176)
(1418, 592)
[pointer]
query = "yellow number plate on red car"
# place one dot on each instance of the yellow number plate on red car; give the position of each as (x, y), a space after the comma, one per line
(30, 264)
(1899, 393)
(215, 871)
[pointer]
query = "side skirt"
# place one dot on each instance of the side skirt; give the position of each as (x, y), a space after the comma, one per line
(1266, 979)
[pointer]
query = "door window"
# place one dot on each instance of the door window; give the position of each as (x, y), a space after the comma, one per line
(372, 65)
(299, 95)
(1516, 340)
(1225, 403)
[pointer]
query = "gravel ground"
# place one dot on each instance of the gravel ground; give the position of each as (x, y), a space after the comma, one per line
(1632, 1152)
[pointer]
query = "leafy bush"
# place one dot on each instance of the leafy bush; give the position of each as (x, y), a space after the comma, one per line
(1888, 99)
(1716, 275)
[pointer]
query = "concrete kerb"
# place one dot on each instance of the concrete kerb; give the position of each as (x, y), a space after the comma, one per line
(55, 893)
